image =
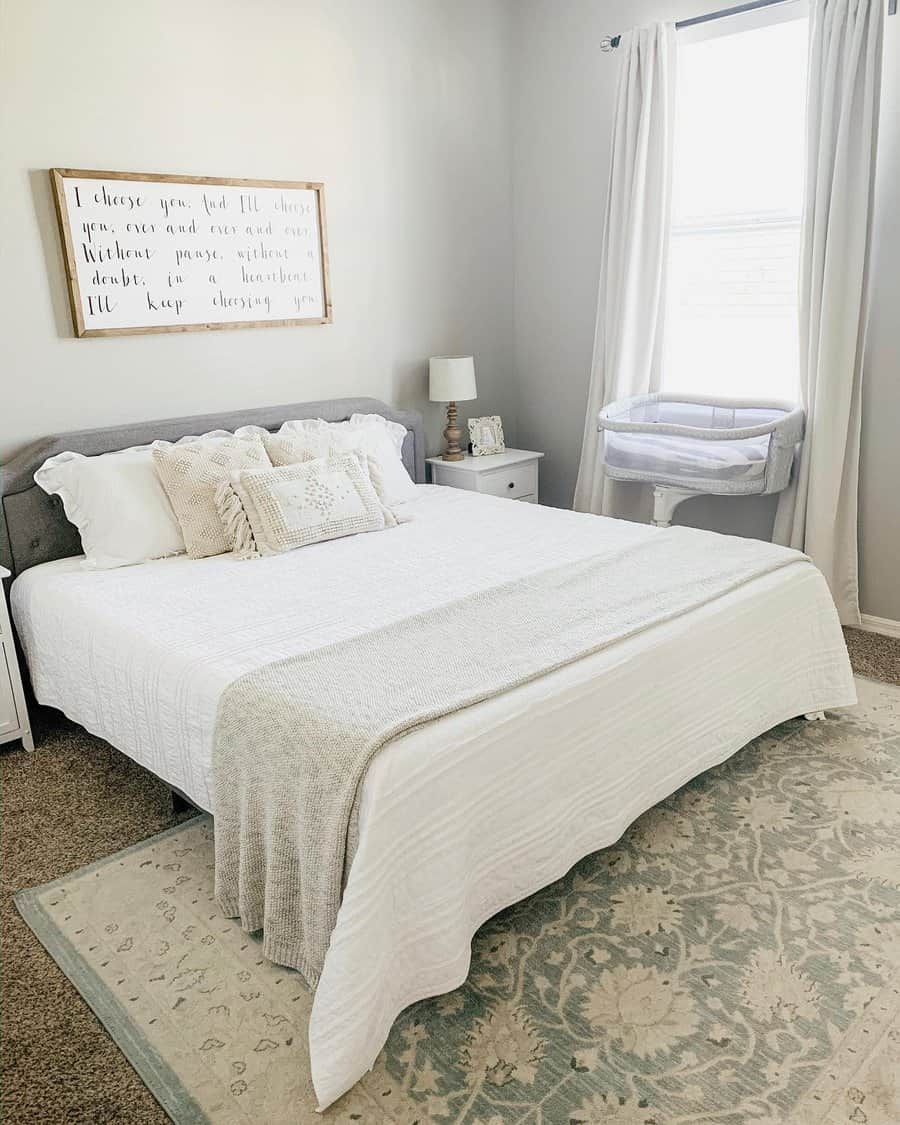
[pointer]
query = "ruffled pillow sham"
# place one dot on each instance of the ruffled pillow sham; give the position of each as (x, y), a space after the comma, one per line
(118, 504)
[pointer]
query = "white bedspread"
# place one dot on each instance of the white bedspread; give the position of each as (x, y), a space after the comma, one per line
(141, 656)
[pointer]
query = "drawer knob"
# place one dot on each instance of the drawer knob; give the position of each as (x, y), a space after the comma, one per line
(512, 484)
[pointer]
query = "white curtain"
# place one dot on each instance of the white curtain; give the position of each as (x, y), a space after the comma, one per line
(818, 513)
(629, 336)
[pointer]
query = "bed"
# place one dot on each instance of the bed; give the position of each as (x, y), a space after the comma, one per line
(465, 814)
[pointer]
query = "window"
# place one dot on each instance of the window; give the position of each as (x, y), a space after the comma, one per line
(731, 320)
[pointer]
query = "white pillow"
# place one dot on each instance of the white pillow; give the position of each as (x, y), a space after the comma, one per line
(371, 434)
(267, 511)
(117, 503)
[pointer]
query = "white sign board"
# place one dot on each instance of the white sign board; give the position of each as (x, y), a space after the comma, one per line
(149, 253)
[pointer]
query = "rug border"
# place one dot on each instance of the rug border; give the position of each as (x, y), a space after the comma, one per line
(156, 1074)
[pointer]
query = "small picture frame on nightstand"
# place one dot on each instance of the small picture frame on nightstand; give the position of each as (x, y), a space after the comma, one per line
(486, 435)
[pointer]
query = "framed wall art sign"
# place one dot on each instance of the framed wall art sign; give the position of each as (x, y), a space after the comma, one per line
(150, 253)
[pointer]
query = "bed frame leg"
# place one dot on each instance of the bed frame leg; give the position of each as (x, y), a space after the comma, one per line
(814, 716)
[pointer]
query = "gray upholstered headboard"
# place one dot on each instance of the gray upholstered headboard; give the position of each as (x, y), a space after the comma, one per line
(35, 528)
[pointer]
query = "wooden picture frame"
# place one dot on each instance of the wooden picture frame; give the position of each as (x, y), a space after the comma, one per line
(70, 246)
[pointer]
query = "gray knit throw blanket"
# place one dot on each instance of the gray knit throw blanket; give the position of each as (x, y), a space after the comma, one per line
(293, 739)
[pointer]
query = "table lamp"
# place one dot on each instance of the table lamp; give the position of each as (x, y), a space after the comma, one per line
(451, 379)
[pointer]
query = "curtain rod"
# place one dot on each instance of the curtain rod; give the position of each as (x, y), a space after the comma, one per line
(611, 42)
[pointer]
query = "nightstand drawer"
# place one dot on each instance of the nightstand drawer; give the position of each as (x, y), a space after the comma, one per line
(9, 718)
(515, 481)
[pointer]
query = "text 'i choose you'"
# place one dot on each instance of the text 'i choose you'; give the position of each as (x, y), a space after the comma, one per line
(148, 254)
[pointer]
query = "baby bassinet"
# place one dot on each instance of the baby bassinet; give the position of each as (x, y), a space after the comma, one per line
(687, 445)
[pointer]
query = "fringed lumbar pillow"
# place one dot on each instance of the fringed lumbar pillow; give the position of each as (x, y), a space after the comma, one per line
(191, 472)
(268, 511)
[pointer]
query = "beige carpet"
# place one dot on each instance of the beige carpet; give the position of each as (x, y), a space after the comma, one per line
(733, 959)
(873, 655)
(72, 801)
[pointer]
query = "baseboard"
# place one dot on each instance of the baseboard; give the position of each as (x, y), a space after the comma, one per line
(882, 625)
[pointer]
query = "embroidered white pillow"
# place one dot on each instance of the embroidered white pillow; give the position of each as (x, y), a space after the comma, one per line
(267, 511)
(191, 471)
(117, 503)
(371, 434)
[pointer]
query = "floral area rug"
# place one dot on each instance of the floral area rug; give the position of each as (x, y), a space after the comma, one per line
(734, 958)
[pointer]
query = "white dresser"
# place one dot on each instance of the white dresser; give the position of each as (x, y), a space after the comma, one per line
(13, 712)
(513, 473)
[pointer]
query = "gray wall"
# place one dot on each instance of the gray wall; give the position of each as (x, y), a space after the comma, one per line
(435, 127)
(401, 108)
(562, 116)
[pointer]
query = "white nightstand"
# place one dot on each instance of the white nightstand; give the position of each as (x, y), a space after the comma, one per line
(513, 473)
(13, 712)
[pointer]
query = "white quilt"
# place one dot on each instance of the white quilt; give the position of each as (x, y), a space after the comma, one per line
(142, 654)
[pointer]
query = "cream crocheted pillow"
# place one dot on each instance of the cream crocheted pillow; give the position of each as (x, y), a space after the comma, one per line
(267, 511)
(288, 449)
(191, 472)
(379, 439)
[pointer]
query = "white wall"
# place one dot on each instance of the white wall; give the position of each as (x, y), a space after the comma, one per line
(401, 108)
(419, 115)
(562, 117)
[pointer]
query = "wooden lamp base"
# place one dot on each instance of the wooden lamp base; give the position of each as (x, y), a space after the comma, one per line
(452, 434)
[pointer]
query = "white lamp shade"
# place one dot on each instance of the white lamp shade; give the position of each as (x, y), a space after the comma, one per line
(451, 378)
